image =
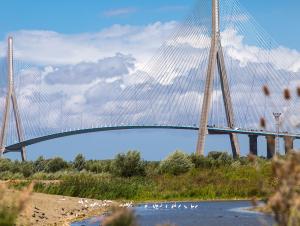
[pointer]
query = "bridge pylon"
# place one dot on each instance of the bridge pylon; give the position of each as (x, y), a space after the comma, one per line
(216, 58)
(11, 99)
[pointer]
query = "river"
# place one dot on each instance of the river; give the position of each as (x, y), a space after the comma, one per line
(225, 213)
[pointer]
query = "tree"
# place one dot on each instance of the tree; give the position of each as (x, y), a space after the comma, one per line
(39, 164)
(176, 163)
(128, 165)
(56, 164)
(79, 162)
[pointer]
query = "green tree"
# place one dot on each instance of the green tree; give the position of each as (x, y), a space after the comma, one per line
(79, 162)
(55, 165)
(39, 164)
(128, 164)
(176, 163)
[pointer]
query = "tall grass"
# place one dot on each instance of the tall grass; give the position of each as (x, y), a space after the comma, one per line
(215, 183)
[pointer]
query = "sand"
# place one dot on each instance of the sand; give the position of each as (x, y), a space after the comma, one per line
(44, 209)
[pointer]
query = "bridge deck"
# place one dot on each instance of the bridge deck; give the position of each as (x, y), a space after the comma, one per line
(211, 130)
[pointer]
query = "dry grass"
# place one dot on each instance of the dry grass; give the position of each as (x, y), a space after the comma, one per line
(285, 201)
(11, 209)
(120, 217)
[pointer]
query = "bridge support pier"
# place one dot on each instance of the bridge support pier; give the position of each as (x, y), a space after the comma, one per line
(288, 144)
(216, 58)
(270, 146)
(11, 102)
(253, 144)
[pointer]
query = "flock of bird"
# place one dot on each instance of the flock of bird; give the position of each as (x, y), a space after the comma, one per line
(170, 206)
(106, 203)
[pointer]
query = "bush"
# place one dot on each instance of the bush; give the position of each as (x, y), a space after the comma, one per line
(26, 169)
(6, 165)
(201, 161)
(220, 158)
(128, 165)
(176, 163)
(39, 165)
(55, 165)
(98, 166)
(79, 162)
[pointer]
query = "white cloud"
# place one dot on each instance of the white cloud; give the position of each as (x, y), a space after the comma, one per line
(97, 78)
(52, 48)
(119, 12)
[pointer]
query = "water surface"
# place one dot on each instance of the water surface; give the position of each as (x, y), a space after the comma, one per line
(225, 213)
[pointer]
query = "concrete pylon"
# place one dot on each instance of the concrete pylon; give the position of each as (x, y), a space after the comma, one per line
(270, 146)
(11, 100)
(216, 57)
(253, 144)
(288, 144)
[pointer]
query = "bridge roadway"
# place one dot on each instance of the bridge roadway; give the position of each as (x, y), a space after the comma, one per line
(212, 130)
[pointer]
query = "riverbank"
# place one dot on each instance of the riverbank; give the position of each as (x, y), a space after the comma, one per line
(44, 209)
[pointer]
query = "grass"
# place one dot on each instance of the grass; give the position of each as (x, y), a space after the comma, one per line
(228, 182)
(179, 177)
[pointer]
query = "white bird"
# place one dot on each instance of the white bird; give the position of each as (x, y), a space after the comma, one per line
(179, 206)
(196, 206)
(166, 206)
(192, 207)
(146, 206)
(185, 206)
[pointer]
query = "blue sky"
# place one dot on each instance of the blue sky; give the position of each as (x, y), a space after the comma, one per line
(279, 18)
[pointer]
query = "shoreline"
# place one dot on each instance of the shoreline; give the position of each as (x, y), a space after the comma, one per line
(46, 209)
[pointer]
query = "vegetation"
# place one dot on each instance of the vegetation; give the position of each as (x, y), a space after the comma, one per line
(128, 165)
(285, 199)
(177, 163)
(128, 176)
(11, 209)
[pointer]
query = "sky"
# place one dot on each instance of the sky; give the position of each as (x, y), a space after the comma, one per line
(81, 20)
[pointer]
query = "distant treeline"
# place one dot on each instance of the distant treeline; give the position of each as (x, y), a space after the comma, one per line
(128, 176)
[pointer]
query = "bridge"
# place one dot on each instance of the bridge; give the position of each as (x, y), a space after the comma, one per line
(218, 72)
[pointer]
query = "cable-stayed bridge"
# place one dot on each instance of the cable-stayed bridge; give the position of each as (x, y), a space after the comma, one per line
(209, 75)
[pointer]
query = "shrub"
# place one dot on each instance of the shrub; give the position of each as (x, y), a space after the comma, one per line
(79, 162)
(55, 165)
(220, 158)
(176, 163)
(5, 165)
(200, 161)
(26, 169)
(98, 166)
(39, 164)
(128, 165)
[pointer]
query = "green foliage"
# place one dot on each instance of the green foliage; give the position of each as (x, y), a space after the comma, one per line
(217, 176)
(40, 164)
(79, 162)
(98, 166)
(55, 165)
(94, 186)
(176, 163)
(128, 165)
(120, 217)
(8, 216)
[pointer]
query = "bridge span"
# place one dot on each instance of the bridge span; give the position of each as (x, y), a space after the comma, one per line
(253, 135)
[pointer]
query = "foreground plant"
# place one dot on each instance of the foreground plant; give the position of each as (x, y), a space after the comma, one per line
(285, 201)
(11, 209)
(121, 217)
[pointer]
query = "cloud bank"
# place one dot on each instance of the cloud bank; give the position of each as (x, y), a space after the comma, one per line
(96, 79)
